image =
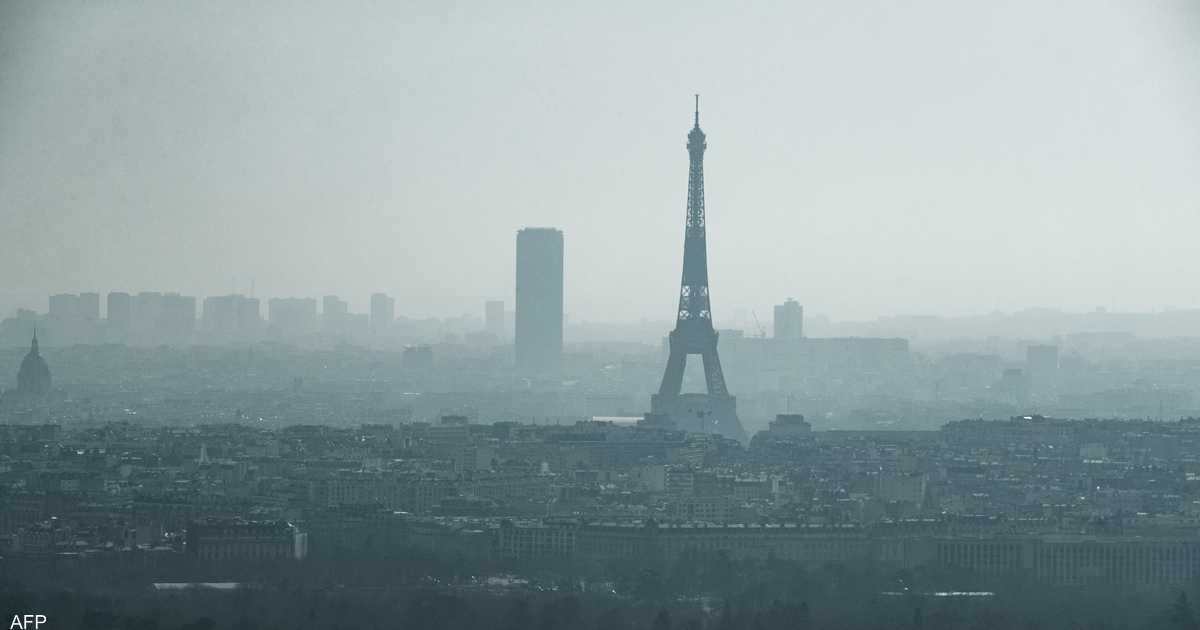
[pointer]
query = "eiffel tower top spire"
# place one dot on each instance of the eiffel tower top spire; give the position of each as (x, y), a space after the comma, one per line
(696, 144)
(693, 298)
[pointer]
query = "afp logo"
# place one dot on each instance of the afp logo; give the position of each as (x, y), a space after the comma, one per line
(27, 622)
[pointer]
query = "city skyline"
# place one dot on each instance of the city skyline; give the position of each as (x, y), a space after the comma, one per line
(864, 202)
(333, 315)
(740, 317)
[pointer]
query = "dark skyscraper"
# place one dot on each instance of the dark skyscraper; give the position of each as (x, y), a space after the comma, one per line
(539, 331)
(65, 306)
(119, 313)
(227, 318)
(716, 411)
(292, 317)
(789, 320)
(89, 306)
(383, 312)
(335, 313)
(119, 309)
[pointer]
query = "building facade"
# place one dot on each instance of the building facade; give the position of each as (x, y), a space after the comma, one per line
(789, 320)
(539, 332)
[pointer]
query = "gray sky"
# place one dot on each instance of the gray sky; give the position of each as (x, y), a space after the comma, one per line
(867, 158)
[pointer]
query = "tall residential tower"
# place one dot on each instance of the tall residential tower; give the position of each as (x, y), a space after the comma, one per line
(789, 320)
(539, 325)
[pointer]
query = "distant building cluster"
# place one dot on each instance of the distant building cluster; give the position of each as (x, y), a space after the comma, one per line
(153, 319)
(1058, 502)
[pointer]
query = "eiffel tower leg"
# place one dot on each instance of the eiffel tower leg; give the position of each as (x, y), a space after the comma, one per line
(672, 382)
(714, 378)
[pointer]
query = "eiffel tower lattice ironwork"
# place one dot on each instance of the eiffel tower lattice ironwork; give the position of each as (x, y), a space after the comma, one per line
(714, 412)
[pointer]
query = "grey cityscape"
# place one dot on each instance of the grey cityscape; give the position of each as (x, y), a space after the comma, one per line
(410, 316)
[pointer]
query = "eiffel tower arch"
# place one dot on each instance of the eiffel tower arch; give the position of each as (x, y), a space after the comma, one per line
(715, 411)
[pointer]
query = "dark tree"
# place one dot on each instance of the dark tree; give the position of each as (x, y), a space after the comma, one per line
(1182, 615)
(201, 623)
(611, 619)
(561, 613)
(98, 620)
(649, 586)
(662, 621)
(518, 616)
(727, 621)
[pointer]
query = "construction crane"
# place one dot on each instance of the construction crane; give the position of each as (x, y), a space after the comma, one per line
(762, 332)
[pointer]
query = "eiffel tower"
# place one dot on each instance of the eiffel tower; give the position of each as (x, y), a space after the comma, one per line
(715, 411)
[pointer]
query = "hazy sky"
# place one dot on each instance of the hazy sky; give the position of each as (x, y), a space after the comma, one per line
(866, 158)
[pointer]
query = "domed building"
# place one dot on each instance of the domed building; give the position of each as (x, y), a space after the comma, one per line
(33, 380)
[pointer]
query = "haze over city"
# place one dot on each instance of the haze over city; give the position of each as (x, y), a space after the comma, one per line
(612, 316)
(869, 159)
